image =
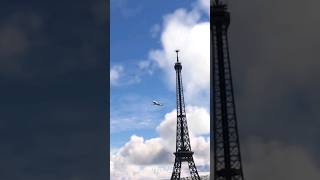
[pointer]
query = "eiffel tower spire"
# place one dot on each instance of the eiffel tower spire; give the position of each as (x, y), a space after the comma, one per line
(183, 148)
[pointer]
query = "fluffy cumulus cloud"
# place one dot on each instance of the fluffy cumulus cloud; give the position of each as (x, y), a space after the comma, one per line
(198, 122)
(152, 158)
(185, 31)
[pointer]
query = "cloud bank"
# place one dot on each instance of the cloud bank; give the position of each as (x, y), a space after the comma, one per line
(185, 31)
(153, 158)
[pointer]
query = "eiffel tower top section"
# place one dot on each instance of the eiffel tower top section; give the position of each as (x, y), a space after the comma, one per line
(181, 112)
(177, 65)
(220, 15)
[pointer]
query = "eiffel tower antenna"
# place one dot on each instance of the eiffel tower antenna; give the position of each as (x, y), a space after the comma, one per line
(227, 156)
(183, 148)
(177, 51)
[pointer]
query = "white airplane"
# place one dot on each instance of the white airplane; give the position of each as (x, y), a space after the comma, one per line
(155, 103)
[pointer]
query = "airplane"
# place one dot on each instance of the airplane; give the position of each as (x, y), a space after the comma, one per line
(155, 103)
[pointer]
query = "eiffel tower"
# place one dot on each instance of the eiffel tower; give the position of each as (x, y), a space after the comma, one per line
(227, 158)
(183, 148)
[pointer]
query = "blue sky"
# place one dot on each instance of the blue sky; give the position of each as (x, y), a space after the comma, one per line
(144, 36)
(131, 39)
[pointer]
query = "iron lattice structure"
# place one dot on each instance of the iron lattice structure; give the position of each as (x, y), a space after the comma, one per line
(227, 158)
(183, 148)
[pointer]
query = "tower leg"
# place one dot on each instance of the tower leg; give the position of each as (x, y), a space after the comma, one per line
(193, 170)
(176, 170)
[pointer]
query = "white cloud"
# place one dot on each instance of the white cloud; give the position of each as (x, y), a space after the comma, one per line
(118, 77)
(198, 123)
(146, 66)
(136, 160)
(183, 30)
(115, 74)
(153, 158)
(122, 170)
(140, 151)
(205, 5)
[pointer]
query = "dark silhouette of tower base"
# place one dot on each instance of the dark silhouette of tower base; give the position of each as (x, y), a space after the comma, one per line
(183, 148)
(227, 159)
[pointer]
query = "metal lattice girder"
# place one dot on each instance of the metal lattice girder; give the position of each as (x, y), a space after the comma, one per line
(227, 158)
(183, 148)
